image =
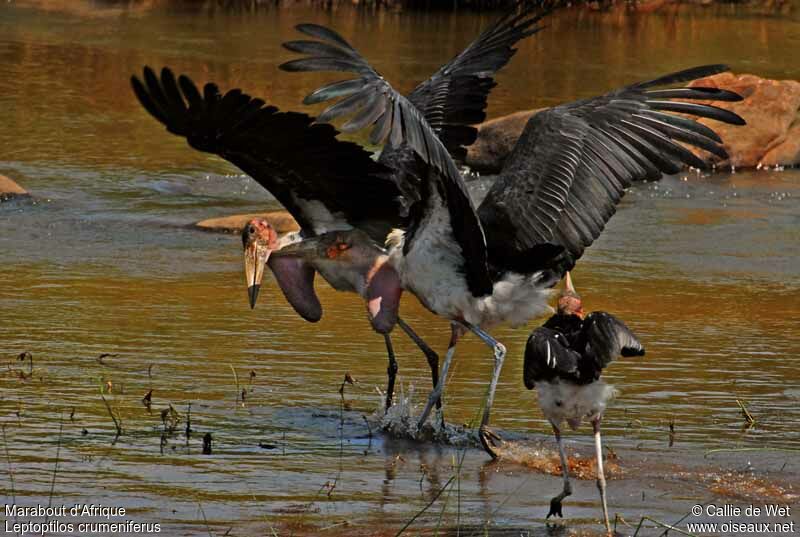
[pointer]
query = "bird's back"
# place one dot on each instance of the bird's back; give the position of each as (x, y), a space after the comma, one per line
(574, 350)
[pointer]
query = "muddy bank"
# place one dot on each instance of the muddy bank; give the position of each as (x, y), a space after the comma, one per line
(770, 138)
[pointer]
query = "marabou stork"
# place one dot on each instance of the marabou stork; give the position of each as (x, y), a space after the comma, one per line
(495, 263)
(563, 361)
(334, 189)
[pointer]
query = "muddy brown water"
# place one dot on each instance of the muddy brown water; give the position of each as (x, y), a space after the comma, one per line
(704, 268)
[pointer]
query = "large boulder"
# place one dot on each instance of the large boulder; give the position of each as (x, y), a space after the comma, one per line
(770, 138)
(496, 139)
(772, 111)
(9, 189)
(280, 220)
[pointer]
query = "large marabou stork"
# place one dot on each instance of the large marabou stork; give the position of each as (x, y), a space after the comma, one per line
(495, 263)
(334, 189)
(564, 359)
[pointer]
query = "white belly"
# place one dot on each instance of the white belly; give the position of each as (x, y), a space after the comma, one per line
(573, 403)
(431, 271)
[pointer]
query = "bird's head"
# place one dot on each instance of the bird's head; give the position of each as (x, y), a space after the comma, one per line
(569, 303)
(259, 239)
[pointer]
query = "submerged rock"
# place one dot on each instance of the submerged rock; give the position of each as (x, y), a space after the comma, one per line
(10, 189)
(282, 221)
(770, 138)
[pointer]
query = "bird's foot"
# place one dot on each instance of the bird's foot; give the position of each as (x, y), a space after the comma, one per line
(489, 440)
(432, 398)
(555, 508)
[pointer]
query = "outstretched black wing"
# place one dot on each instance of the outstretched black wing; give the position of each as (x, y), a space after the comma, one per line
(548, 356)
(374, 102)
(573, 162)
(607, 337)
(452, 100)
(455, 97)
(323, 182)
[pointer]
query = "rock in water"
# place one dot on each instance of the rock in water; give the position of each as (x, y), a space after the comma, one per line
(9, 189)
(282, 221)
(772, 111)
(770, 138)
(496, 139)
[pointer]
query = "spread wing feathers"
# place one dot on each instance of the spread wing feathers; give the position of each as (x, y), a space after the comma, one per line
(322, 181)
(548, 356)
(455, 97)
(369, 100)
(607, 337)
(573, 162)
(372, 101)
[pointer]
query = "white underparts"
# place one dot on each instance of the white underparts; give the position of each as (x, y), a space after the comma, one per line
(432, 270)
(565, 401)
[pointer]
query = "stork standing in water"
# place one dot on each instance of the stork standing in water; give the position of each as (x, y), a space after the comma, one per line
(495, 263)
(334, 189)
(563, 361)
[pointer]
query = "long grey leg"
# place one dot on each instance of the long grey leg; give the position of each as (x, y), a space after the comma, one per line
(601, 478)
(391, 371)
(555, 503)
(499, 356)
(430, 354)
(487, 437)
(436, 393)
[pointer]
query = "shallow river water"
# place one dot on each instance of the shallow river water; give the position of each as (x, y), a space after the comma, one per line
(102, 260)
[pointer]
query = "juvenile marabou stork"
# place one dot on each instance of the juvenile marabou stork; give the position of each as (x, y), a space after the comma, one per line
(564, 359)
(334, 189)
(495, 263)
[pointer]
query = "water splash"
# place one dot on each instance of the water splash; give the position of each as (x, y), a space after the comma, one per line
(400, 421)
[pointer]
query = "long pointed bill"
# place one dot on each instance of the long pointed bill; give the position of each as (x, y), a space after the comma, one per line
(255, 259)
(568, 283)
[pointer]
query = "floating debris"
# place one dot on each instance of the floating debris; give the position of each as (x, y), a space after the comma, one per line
(671, 432)
(188, 430)
(748, 417)
(147, 400)
(207, 444)
(742, 485)
(547, 461)
(170, 418)
(104, 356)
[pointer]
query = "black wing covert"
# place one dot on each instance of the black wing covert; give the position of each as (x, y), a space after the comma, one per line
(320, 180)
(548, 356)
(572, 164)
(374, 102)
(607, 337)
